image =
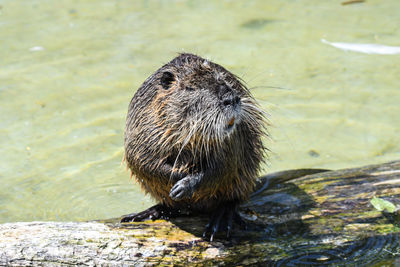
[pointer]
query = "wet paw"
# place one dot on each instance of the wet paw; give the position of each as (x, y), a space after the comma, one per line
(222, 220)
(182, 189)
(153, 213)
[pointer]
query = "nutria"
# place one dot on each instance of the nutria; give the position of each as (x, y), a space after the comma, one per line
(193, 141)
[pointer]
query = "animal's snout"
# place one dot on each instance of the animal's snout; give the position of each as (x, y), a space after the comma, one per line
(230, 100)
(227, 96)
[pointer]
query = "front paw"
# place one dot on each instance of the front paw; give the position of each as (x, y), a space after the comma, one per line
(182, 189)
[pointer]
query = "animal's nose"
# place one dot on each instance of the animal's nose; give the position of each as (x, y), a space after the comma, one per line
(227, 96)
(230, 100)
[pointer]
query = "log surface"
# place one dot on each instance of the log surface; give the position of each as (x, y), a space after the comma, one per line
(294, 219)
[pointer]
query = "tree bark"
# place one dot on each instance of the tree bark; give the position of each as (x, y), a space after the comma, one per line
(293, 219)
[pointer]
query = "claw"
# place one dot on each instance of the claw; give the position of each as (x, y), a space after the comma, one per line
(229, 223)
(216, 225)
(128, 218)
(155, 212)
(210, 224)
(174, 191)
(222, 219)
(180, 190)
(206, 230)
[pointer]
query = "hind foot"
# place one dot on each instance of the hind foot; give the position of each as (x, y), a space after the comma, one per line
(222, 219)
(155, 212)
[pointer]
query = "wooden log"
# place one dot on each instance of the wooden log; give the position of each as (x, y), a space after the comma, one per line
(294, 219)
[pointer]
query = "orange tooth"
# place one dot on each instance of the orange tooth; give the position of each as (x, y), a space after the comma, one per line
(231, 122)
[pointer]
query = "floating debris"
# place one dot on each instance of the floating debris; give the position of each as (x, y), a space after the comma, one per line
(256, 23)
(36, 48)
(366, 48)
(352, 2)
(313, 153)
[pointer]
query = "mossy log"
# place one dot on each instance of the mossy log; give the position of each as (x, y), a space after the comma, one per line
(294, 219)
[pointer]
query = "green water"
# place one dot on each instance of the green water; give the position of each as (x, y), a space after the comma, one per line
(68, 70)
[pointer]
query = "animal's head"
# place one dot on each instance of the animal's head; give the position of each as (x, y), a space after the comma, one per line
(200, 101)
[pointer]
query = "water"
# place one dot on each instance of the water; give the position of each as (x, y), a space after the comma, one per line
(68, 70)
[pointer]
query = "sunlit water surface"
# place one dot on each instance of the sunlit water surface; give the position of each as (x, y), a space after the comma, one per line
(68, 70)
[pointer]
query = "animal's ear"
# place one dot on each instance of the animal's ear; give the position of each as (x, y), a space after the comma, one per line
(167, 79)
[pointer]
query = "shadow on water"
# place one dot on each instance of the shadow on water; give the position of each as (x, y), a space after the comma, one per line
(365, 252)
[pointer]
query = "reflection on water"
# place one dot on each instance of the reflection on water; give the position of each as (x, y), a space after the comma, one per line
(69, 69)
(365, 252)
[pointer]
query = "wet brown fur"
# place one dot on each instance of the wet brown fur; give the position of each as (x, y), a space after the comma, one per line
(183, 125)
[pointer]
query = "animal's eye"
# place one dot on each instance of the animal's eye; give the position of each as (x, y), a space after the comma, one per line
(188, 88)
(167, 79)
